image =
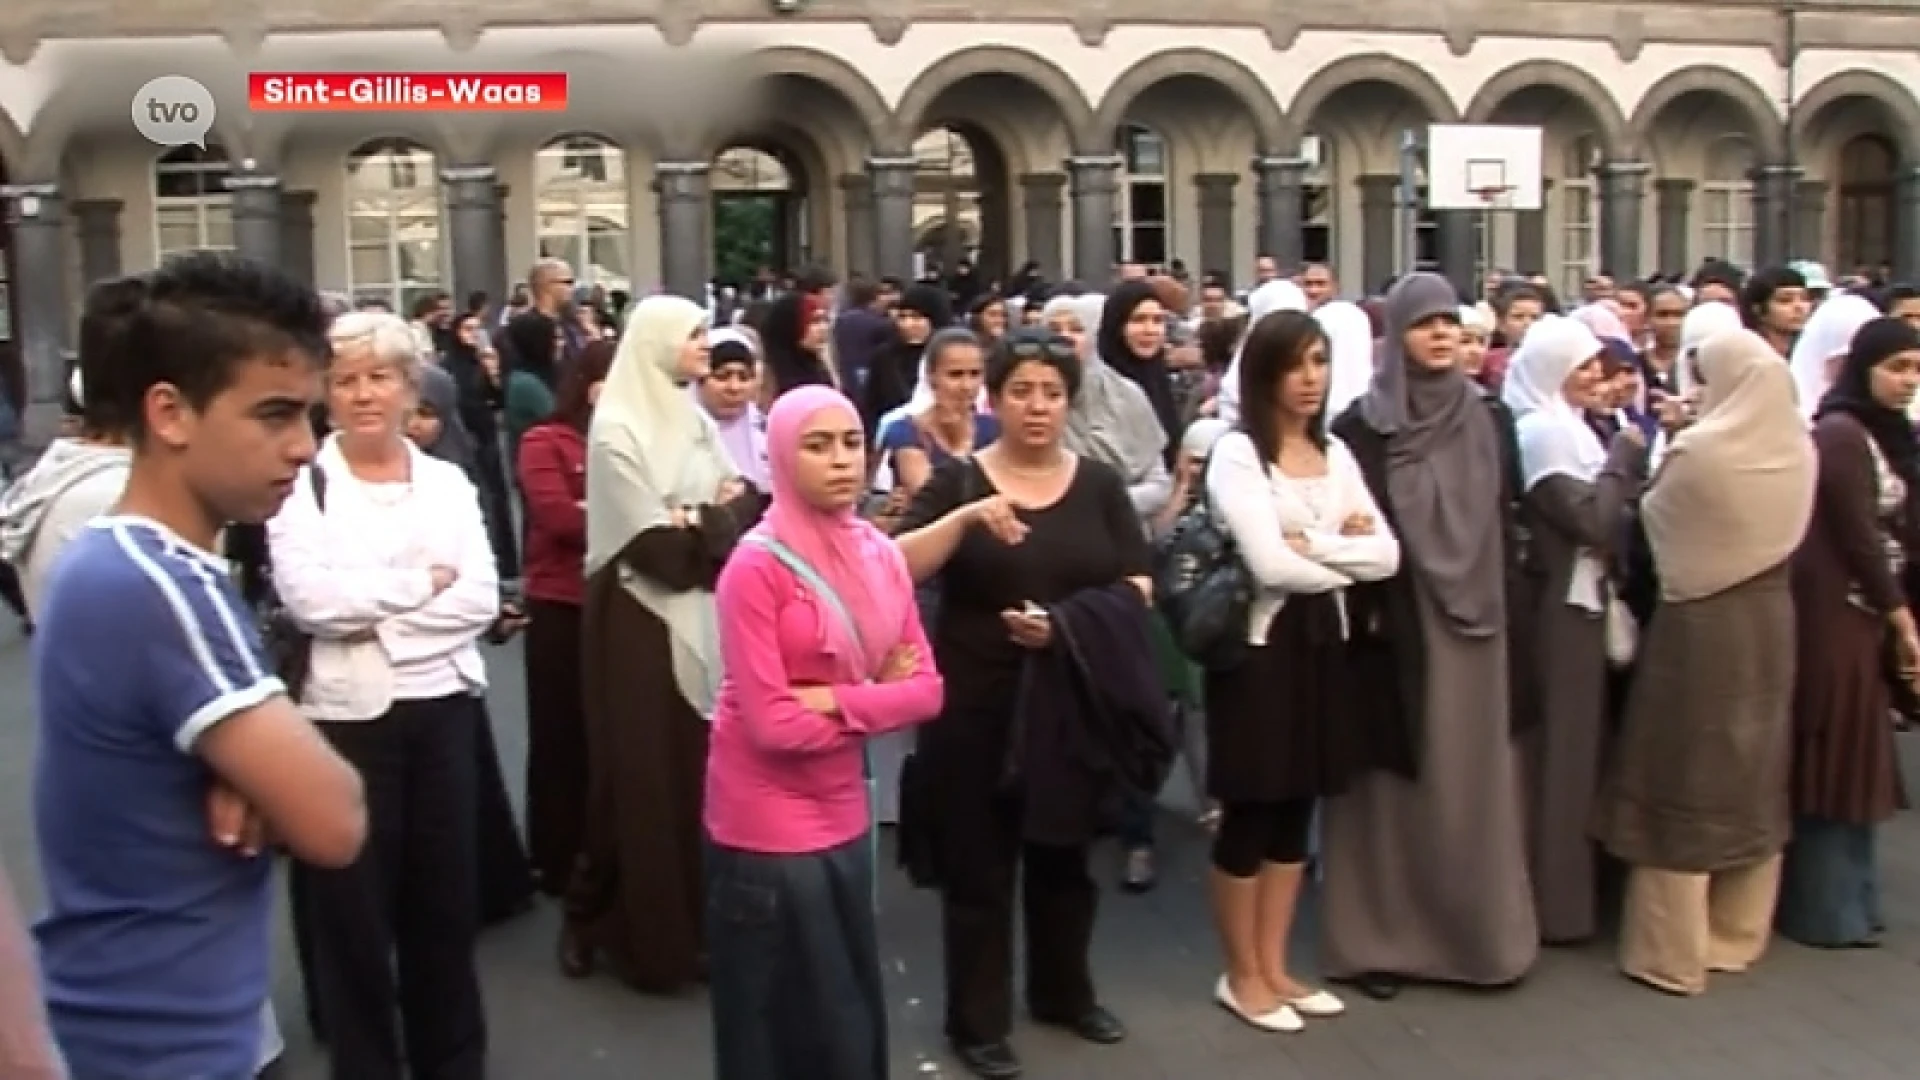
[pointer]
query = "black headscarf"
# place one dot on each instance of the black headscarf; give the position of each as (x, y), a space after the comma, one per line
(1147, 372)
(1852, 394)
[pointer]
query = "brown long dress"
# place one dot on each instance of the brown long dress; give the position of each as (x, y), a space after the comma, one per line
(637, 896)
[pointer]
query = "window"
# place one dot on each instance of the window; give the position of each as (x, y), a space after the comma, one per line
(1316, 201)
(1726, 202)
(1141, 232)
(192, 209)
(1578, 216)
(580, 182)
(1865, 227)
(946, 199)
(393, 223)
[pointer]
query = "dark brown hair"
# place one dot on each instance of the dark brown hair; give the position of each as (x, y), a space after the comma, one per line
(1277, 345)
(571, 403)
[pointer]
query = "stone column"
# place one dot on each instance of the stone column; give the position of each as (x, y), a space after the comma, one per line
(296, 234)
(1095, 184)
(1906, 235)
(1773, 191)
(892, 177)
(1622, 194)
(38, 214)
(1282, 193)
(1810, 219)
(1457, 248)
(1216, 220)
(98, 221)
(685, 253)
(1530, 234)
(1673, 218)
(1379, 232)
(1041, 197)
(257, 231)
(473, 217)
(856, 199)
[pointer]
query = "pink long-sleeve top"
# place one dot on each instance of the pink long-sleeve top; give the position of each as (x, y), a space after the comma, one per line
(782, 779)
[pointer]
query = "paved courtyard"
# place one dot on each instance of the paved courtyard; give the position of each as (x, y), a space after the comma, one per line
(1803, 1015)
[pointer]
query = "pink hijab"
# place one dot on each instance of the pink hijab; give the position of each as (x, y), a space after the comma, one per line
(859, 561)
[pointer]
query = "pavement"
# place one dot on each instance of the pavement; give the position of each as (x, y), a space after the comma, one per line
(1801, 1015)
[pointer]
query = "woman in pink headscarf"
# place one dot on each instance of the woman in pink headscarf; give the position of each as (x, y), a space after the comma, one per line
(823, 649)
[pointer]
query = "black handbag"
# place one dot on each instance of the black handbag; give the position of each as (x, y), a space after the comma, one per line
(1202, 587)
(289, 648)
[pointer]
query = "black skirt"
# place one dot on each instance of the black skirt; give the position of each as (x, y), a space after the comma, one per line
(1281, 725)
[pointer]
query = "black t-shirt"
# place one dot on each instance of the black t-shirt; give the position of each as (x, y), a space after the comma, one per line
(1089, 538)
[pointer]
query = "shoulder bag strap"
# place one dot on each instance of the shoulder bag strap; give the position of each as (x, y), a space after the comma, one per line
(818, 584)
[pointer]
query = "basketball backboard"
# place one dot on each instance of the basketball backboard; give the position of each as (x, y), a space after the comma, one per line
(1483, 167)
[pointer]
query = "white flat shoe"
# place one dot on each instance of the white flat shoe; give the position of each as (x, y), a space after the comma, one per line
(1318, 1005)
(1281, 1020)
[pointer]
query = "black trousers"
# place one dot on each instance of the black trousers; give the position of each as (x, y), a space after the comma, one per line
(490, 469)
(392, 936)
(982, 858)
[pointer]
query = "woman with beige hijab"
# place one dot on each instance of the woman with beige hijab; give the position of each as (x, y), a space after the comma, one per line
(1696, 798)
(665, 505)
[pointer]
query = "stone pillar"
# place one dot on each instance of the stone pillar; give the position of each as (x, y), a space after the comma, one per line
(38, 215)
(1906, 236)
(1379, 231)
(1622, 193)
(1041, 197)
(473, 217)
(98, 222)
(257, 231)
(1216, 220)
(1457, 248)
(685, 252)
(1673, 219)
(1095, 183)
(856, 199)
(1282, 192)
(1810, 220)
(1773, 192)
(296, 234)
(1530, 234)
(892, 178)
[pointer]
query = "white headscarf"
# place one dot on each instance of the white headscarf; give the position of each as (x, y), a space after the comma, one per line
(1702, 322)
(1350, 351)
(650, 451)
(1276, 295)
(1555, 440)
(1827, 336)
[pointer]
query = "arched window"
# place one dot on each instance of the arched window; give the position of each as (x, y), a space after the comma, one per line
(1865, 227)
(393, 223)
(1726, 201)
(192, 209)
(946, 199)
(1142, 232)
(1579, 237)
(1316, 200)
(580, 182)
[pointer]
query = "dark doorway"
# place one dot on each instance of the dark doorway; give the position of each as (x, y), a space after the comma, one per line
(760, 214)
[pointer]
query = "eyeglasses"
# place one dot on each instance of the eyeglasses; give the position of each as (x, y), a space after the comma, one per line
(1054, 348)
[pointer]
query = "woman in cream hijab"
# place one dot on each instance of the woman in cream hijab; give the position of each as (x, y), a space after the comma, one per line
(665, 505)
(1695, 802)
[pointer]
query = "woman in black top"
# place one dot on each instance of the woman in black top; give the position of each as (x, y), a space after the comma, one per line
(1024, 523)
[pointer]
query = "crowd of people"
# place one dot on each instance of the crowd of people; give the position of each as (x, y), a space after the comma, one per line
(1532, 614)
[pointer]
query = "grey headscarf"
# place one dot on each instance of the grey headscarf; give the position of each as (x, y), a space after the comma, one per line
(442, 395)
(1443, 465)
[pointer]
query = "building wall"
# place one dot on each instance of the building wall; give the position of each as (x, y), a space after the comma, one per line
(1621, 82)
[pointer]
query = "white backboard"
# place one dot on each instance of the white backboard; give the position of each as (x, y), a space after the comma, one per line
(1465, 160)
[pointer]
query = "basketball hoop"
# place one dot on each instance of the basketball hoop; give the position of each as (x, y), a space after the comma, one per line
(1493, 197)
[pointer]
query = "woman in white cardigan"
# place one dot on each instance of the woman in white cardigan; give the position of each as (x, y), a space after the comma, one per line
(382, 554)
(1280, 725)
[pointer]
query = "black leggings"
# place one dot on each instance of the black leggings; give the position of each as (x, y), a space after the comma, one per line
(1252, 833)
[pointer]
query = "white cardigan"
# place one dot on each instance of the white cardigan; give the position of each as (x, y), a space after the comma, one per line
(1259, 505)
(352, 570)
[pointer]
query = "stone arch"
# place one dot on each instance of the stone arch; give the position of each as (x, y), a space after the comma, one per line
(1569, 80)
(832, 73)
(1730, 86)
(914, 111)
(1898, 103)
(1367, 68)
(1269, 122)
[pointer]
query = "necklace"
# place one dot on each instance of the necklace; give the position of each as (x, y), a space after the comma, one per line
(1035, 470)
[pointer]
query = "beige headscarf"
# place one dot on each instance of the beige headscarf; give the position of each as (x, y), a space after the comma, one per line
(652, 450)
(1733, 496)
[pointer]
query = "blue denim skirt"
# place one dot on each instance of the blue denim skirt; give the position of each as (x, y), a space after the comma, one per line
(794, 965)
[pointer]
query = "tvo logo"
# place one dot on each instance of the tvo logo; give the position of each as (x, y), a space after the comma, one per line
(174, 110)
